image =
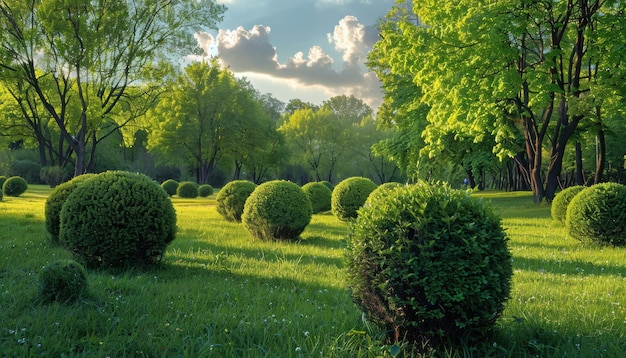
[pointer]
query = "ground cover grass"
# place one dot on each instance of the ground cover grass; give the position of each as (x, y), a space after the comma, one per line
(220, 293)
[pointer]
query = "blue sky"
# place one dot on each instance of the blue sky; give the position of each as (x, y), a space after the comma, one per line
(307, 49)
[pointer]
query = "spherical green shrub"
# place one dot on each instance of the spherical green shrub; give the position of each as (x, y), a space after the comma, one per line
(62, 281)
(187, 189)
(328, 184)
(597, 215)
(277, 210)
(320, 196)
(117, 219)
(349, 195)
(558, 210)
(14, 186)
(232, 197)
(205, 190)
(170, 186)
(54, 203)
(382, 191)
(428, 263)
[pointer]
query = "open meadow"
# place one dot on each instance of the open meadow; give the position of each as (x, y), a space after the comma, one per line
(220, 293)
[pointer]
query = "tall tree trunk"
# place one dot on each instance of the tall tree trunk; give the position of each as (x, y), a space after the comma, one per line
(600, 155)
(579, 176)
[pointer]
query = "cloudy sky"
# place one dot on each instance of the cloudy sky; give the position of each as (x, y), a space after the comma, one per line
(307, 49)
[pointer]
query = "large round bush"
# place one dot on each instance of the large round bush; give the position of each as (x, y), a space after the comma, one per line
(562, 200)
(187, 189)
(170, 186)
(117, 219)
(14, 186)
(598, 214)
(232, 197)
(63, 281)
(277, 210)
(205, 190)
(427, 263)
(320, 196)
(349, 195)
(54, 203)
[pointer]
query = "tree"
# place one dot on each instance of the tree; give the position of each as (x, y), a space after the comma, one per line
(540, 66)
(92, 53)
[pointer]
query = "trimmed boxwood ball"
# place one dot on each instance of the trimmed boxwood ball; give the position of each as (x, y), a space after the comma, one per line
(320, 196)
(117, 219)
(63, 281)
(187, 189)
(429, 264)
(14, 186)
(382, 191)
(349, 195)
(170, 186)
(54, 203)
(277, 210)
(232, 197)
(558, 210)
(205, 190)
(597, 215)
(328, 184)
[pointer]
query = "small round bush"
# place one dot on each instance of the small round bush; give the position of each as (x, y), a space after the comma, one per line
(277, 210)
(597, 215)
(54, 203)
(205, 190)
(63, 281)
(349, 195)
(117, 219)
(170, 186)
(382, 191)
(232, 197)
(187, 189)
(328, 184)
(320, 196)
(558, 209)
(14, 186)
(429, 264)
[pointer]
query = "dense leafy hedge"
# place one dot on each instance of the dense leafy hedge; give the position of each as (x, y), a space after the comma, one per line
(62, 281)
(117, 219)
(349, 195)
(429, 264)
(232, 198)
(187, 189)
(558, 209)
(320, 196)
(277, 210)
(55, 201)
(598, 214)
(170, 186)
(14, 186)
(205, 190)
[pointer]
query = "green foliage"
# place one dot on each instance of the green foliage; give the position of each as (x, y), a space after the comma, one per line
(205, 190)
(55, 201)
(2, 180)
(63, 281)
(117, 219)
(328, 184)
(14, 186)
(170, 186)
(382, 191)
(597, 214)
(277, 210)
(429, 264)
(232, 198)
(320, 196)
(558, 210)
(54, 175)
(349, 195)
(27, 169)
(187, 189)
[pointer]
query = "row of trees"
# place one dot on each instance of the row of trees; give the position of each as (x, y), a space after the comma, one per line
(537, 84)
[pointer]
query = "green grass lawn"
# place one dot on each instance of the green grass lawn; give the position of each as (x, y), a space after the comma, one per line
(220, 293)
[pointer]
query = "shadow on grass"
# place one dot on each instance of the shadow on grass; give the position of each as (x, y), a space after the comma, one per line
(567, 267)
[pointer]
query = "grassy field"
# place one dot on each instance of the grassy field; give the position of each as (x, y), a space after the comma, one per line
(219, 293)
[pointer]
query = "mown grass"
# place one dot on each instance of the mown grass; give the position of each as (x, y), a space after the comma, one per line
(219, 293)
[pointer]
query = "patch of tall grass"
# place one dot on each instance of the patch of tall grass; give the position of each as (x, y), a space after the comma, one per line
(220, 293)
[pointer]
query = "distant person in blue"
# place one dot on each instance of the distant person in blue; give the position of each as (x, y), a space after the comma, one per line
(465, 182)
